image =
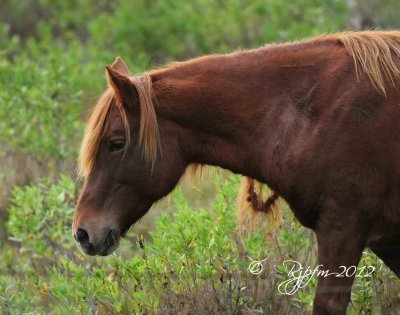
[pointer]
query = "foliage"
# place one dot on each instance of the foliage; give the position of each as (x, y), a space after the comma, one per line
(40, 104)
(195, 263)
(46, 66)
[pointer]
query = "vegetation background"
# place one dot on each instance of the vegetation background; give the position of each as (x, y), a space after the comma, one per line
(186, 256)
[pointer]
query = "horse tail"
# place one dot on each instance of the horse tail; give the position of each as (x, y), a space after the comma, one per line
(256, 204)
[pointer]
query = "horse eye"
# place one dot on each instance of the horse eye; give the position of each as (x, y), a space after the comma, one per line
(117, 145)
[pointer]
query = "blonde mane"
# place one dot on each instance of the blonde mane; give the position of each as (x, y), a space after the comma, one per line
(149, 136)
(372, 53)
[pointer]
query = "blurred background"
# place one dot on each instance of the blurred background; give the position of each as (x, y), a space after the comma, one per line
(52, 68)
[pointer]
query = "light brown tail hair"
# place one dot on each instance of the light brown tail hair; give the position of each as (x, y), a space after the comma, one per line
(258, 205)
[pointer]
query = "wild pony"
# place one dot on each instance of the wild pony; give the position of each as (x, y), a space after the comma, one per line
(318, 121)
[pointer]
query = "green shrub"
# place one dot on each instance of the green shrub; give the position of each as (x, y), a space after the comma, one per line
(44, 71)
(39, 106)
(195, 261)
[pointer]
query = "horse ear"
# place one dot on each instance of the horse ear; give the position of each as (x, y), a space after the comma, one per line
(120, 66)
(123, 88)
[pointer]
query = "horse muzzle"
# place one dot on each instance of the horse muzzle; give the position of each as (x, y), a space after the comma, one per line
(102, 243)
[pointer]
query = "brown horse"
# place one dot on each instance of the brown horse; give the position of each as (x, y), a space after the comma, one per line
(318, 121)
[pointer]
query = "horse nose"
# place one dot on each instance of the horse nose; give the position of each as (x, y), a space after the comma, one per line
(100, 243)
(82, 237)
(111, 238)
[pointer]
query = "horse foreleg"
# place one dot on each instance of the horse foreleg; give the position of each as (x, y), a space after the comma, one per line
(389, 251)
(339, 251)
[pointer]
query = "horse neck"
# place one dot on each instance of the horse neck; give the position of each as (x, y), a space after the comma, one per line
(228, 109)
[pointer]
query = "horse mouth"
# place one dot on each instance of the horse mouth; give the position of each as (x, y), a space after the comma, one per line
(104, 251)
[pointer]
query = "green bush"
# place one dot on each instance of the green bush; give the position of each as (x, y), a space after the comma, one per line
(51, 70)
(40, 105)
(195, 261)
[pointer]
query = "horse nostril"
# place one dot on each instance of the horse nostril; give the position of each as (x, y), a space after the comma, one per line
(110, 239)
(82, 237)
